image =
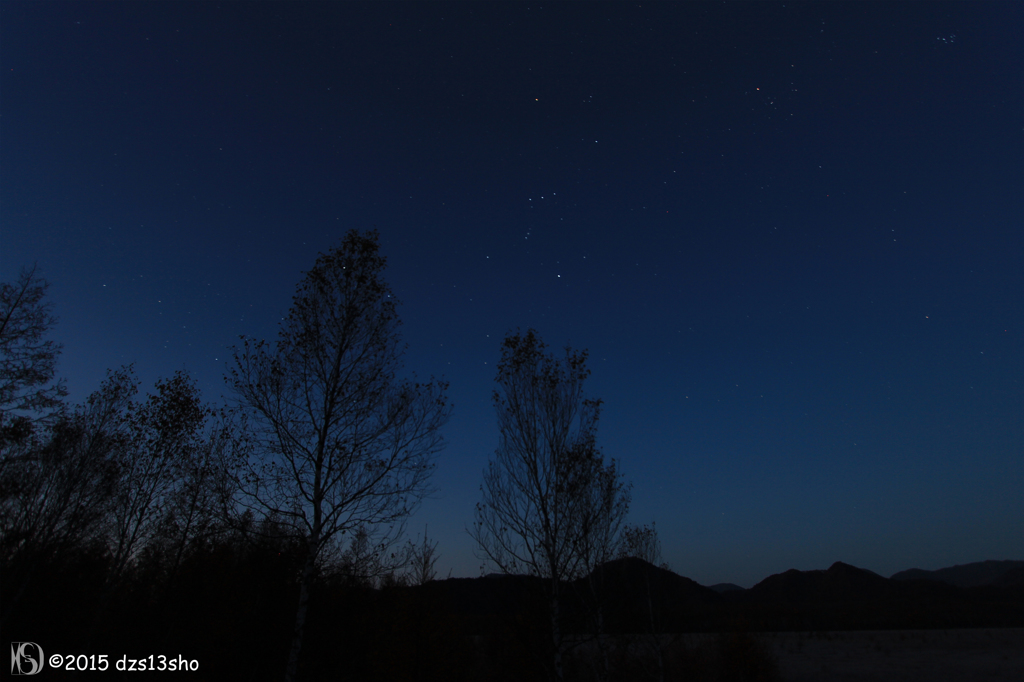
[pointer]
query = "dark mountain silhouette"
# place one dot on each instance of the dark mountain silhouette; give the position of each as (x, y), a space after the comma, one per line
(632, 594)
(722, 588)
(847, 597)
(635, 596)
(841, 582)
(1012, 578)
(970, 575)
(488, 596)
(625, 575)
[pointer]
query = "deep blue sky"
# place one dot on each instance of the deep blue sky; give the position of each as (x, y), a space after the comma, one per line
(790, 235)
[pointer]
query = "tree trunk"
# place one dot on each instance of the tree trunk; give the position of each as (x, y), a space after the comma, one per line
(8, 609)
(656, 639)
(300, 619)
(556, 635)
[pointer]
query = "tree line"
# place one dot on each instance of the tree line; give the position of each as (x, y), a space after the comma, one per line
(313, 467)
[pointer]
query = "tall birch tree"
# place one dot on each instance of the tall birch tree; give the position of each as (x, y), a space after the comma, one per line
(340, 442)
(552, 506)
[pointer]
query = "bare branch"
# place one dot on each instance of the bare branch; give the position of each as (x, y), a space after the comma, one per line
(27, 361)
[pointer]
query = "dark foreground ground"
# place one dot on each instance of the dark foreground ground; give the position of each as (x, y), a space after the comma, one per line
(994, 655)
(955, 655)
(231, 608)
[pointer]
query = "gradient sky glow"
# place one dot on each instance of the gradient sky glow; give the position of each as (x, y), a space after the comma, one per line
(790, 235)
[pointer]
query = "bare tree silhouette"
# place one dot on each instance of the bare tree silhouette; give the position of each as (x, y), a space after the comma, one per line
(641, 542)
(341, 444)
(421, 560)
(56, 493)
(551, 505)
(166, 434)
(27, 361)
(112, 475)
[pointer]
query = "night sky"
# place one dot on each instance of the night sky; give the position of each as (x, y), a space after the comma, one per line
(790, 235)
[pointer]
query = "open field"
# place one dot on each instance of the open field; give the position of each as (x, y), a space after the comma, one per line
(956, 655)
(994, 655)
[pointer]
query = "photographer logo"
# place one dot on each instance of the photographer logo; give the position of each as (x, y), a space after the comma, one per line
(26, 658)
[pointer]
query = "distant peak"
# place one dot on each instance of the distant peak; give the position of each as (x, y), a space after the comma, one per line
(726, 587)
(840, 567)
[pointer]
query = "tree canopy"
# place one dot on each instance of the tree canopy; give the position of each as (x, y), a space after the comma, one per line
(28, 360)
